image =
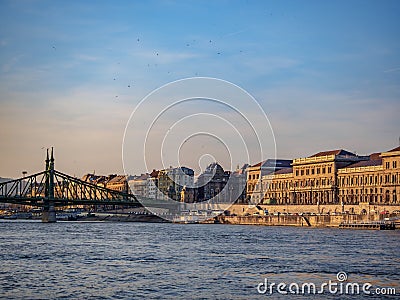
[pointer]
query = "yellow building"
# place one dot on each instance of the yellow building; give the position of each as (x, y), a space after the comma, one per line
(311, 180)
(255, 186)
(335, 177)
(376, 181)
(118, 183)
(279, 187)
(315, 177)
(391, 175)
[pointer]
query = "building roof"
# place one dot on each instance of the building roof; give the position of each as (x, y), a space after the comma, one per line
(257, 165)
(284, 171)
(333, 152)
(214, 167)
(395, 149)
(117, 179)
(154, 173)
(274, 163)
(375, 156)
(141, 177)
(366, 163)
(92, 178)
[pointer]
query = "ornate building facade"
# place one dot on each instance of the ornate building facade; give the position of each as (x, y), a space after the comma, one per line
(376, 181)
(256, 186)
(211, 184)
(171, 182)
(335, 177)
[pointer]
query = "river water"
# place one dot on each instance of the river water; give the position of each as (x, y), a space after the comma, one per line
(99, 260)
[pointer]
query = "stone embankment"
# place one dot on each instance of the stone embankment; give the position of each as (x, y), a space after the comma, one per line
(311, 216)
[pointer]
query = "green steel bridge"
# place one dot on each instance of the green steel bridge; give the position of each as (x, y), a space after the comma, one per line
(50, 189)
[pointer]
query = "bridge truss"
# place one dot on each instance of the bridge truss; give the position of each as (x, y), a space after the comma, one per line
(59, 189)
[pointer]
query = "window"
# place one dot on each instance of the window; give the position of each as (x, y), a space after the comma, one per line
(394, 164)
(387, 196)
(387, 165)
(329, 169)
(302, 172)
(307, 172)
(297, 172)
(318, 170)
(312, 171)
(323, 170)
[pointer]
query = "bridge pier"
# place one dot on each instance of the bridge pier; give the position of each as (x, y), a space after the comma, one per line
(49, 214)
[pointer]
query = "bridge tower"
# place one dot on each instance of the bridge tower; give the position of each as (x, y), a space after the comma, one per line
(49, 212)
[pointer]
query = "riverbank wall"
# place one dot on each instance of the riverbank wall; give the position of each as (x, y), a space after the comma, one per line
(309, 215)
(357, 209)
(296, 220)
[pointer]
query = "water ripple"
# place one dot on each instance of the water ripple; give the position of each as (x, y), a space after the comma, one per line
(72, 260)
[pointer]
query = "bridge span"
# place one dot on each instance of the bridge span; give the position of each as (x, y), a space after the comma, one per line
(50, 189)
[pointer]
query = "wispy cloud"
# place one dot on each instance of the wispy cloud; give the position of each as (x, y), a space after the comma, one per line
(164, 56)
(87, 57)
(11, 63)
(392, 70)
(268, 64)
(235, 32)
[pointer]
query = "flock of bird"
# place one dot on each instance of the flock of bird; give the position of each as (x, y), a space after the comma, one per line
(157, 54)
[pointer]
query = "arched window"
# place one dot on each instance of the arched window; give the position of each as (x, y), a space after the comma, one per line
(387, 196)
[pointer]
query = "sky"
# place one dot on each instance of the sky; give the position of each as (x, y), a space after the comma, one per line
(326, 74)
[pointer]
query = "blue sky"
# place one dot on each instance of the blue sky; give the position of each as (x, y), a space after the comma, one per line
(71, 72)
